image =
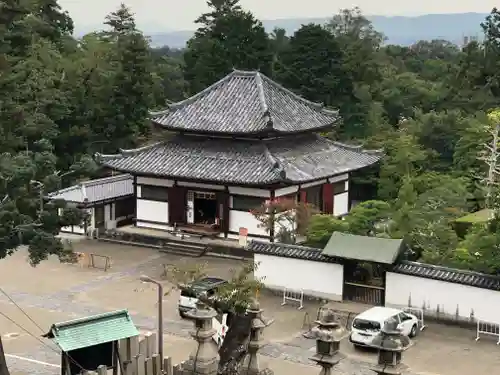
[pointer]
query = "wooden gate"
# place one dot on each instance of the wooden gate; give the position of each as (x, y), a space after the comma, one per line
(364, 283)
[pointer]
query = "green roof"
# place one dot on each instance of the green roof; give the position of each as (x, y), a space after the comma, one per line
(93, 330)
(363, 248)
(480, 216)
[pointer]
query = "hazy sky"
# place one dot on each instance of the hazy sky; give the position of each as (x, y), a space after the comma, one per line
(179, 14)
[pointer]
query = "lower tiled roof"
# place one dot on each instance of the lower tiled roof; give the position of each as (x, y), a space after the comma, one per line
(451, 275)
(288, 251)
(295, 159)
(97, 190)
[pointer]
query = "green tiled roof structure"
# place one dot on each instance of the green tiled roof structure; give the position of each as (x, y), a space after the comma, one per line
(93, 330)
(363, 248)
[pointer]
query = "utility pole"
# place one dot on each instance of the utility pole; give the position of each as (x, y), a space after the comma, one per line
(4, 370)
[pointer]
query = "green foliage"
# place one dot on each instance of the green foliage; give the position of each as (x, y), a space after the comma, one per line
(227, 38)
(367, 218)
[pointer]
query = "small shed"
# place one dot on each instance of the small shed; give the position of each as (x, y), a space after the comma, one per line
(92, 341)
(366, 260)
(109, 201)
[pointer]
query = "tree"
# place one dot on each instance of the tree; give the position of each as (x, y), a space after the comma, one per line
(234, 297)
(321, 228)
(360, 43)
(131, 97)
(285, 216)
(227, 38)
(368, 218)
(312, 66)
(490, 156)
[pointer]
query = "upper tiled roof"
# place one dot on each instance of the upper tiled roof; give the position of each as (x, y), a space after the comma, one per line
(245, 103)
(451, 275)
(288, 251)
(97, 190)
(304, 158)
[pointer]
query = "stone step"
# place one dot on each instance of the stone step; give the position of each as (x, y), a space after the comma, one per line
(184, 248)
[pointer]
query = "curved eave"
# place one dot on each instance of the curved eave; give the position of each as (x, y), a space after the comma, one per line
(202, 180)
(263, 133)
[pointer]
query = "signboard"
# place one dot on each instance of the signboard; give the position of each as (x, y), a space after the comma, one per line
(243, 236)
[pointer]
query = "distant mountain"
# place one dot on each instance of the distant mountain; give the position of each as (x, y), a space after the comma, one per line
(398, 29)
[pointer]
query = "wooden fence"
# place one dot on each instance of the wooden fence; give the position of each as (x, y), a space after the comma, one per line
(138, 357)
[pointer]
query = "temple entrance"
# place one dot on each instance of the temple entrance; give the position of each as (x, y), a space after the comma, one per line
(364, 282)
(205, 208)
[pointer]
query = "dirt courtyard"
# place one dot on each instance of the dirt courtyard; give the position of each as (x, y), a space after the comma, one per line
(54, 292)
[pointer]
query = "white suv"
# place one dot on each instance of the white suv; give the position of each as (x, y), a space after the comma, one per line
(368, 324)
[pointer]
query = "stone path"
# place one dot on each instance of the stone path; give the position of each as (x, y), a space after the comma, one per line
(297, 350)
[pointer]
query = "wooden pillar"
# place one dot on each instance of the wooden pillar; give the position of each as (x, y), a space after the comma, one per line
(135, 203)
(302, 196)
(327, 195)
(223, 210)
(271, 229)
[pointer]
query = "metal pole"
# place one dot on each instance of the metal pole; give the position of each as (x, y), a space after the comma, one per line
(160, 323)
(147, 279)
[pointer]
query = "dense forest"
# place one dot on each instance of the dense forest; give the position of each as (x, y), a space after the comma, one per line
(430, 106)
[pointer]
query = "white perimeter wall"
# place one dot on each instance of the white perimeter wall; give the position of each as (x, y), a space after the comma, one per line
(483, 302)
(322, 280)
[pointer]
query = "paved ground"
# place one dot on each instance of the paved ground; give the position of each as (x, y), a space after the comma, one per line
(53, 292)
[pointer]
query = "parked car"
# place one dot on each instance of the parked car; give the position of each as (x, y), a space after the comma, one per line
(368, 324)
(189, 294)
(189, 297)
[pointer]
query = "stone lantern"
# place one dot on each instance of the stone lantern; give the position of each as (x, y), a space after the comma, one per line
(204, 360)
(390, 344)
(251, 364)
(328, 335)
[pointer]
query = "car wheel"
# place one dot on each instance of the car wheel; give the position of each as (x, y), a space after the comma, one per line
(182, 314)
(356, 347)
(414, 331)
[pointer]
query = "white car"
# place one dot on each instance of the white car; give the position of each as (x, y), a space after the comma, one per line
(189, 297)
(368, 324)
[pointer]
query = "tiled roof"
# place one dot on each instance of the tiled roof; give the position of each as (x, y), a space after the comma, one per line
(93, 330)
(363, 248)
(451, 275)
(245, 103)
(303, 158)
(97, 190)
(288, 251)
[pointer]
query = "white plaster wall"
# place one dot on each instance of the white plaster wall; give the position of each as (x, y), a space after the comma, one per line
(154, 181)
(317, 279)
(340, 177)
(152, 211)
(201, 186)
(285, 191)
(341, 204)
(485, 303)
(249, 191)
(242, 219)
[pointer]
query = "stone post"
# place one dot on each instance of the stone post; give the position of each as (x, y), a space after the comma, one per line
(204, 360)
(328, 335)
(390, 344)
(251, 365)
